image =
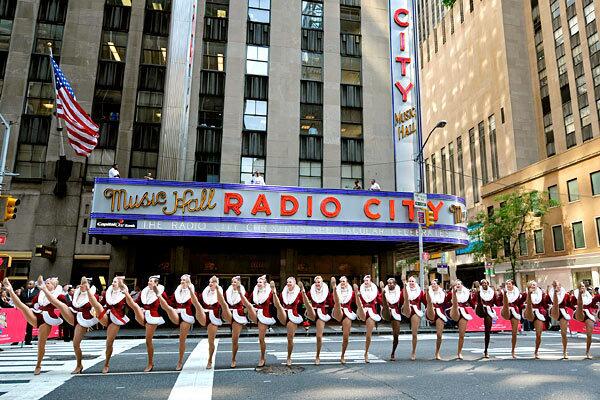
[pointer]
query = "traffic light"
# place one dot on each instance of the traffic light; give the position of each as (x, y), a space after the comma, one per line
(9, 207)
(429, 218)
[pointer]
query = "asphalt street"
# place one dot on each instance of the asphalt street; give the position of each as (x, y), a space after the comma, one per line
(471, 378)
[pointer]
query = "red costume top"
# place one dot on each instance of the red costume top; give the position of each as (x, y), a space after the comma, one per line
(291, 301)
(416, 298)
(211, 304)
(564, 301)
(463, 298)
(590, 303)
(321, 300)
(262, 300)
(440, 301)
(45, 311)
(515, 302)
(149, 301)
(347, 301)
(488, 299)
(394, 299)
(371, 299)
(81, 307)
(114, 305)
(540, 303)
(181, 301)
(234, 300)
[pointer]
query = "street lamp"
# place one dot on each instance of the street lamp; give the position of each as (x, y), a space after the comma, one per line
(442, 123)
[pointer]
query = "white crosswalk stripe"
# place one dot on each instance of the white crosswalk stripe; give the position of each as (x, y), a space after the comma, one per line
(17, 365)
(327, 357)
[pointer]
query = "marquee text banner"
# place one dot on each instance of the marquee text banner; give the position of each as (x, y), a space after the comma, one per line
(140, 207)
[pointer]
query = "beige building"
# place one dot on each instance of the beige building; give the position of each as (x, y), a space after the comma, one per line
(519, 84)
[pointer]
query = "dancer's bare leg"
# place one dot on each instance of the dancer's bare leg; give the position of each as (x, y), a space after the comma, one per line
(150, 329)
(563, 333)
(171, 313)
(462, 328)
(439, 331)
(360, 311)
(589, 328)
(291, 332)
(337, 307)
(225, 311)
(262, 332)
(539, 327)
(320, 325)
(43, 332)
(310, 311)
(137, 310)
(395, 333)
(487, 329)
(236, 329)
(281, 314)
(65, 311)
(212, 333)
(346, 326)
(111, 333)
(78, 336)
(250, 309)
(99, 309)
(415, 321)
(515, 330)
(25, 310)
(370, 324)
(200, 311)
(184, 329)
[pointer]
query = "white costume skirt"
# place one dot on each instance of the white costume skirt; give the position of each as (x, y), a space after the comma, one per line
(396, 315)
(264, 320)
(239, 318)
(185, 316)
(323, 317)
(297, 319)
(370, 314)
(116, 320)
(214, 319)
(351, 315)
(153, 320)
(86, 323)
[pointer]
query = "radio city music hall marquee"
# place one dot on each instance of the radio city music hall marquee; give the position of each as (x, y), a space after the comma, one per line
(140, 207)
(405, 92)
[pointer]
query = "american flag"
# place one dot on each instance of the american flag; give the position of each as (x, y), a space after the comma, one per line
(82, 132)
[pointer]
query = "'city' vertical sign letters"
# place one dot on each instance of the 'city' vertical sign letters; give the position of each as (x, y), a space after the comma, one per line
(404, 88)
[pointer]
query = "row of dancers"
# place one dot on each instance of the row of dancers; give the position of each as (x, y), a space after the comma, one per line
(342, 302)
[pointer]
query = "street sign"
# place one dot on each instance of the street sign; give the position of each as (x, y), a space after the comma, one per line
(442, 269)
(425, 256)
(420, 200)
(421, 217)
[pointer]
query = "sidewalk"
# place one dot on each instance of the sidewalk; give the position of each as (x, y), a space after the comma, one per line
(277, 330)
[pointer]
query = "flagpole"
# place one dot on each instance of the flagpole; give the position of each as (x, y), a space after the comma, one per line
(59, 127)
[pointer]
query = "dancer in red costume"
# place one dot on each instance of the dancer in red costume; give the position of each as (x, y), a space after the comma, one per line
(414, 297)
(259, 304)
(42, 315)
(437, 302)
(235, 296)
(560, 299)
(536, 311)
(345, 300)
(322, 302)
(586, 311)
(512, 303)
(371, 301)
(461, 299)
(288, 310)
(392, 300)
(216, 307)
(484, 300)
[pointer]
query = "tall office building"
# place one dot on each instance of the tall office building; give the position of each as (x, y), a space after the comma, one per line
(519, 84)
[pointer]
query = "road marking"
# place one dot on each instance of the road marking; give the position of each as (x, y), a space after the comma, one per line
(308, 357)
(54, 373)
(85, 375)
(235, 369)
(194, 380)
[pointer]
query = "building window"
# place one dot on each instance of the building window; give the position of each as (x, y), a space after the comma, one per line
(312, 66)
(433, 173)
(208, 155)
(259, 11)
(595, 181)
(351, 123)
(213, 56)
(461, 174)
(522, 245)
(538, 239)
(249, 166)
(452, 169)
(312, 15)
(474, 175)
(553, 193)
(352, 162)
(494, 147)
(351, 71)
(310, 174)
(311, 120)
(444, 171)
(483, 153)
(558, 238)
(257, 60)
(255, 115)
(578, 235)
(573, 190)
